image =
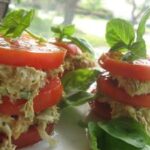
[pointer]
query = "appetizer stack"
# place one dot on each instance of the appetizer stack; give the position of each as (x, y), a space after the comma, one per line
(123, 90)
(79, 52)
(29, 85)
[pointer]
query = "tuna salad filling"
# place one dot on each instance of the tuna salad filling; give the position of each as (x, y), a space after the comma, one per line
(14, 127)
(21, 82)
(24, 83)
(133, 87)
(142, 115)
(78, 62)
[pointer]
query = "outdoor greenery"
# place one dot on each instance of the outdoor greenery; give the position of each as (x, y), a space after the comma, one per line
(49, 13)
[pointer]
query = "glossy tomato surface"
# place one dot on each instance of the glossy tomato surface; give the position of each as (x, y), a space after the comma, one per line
(28, 52)
(109, 88)
(125, 69)
(71, 48)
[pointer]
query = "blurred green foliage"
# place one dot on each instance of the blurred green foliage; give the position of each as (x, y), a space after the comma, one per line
(54, 8)
(93, 5)
(41, 26)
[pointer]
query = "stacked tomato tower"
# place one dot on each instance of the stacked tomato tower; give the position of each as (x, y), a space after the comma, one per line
(29, 90)
(123, 88)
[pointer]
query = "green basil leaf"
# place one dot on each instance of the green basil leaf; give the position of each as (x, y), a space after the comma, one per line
(141, 27)
(75, 84)
(110, 143)
(127, 130)
(62, 31)
(119, 30)
(16, 22)
(121, 133)
(77, 98)
(84, 45)
(79, 79)
(119, 46)
(95, 135)
(68, 30)
(137, 51)
(56, 29)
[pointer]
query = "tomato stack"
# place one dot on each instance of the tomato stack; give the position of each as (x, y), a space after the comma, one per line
(29, 90)
(123, 89)
(75, 57)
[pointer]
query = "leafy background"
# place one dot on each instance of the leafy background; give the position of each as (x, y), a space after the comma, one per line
(89, 16)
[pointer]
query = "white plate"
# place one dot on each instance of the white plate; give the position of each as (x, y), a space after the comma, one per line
(69, 135)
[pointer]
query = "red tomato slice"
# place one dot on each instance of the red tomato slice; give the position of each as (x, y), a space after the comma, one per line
(31, 136)
(71, 48)
(46, 56)
(10, 108)
(124, 69)
(101, 109)
(48, 96)
(106, 86)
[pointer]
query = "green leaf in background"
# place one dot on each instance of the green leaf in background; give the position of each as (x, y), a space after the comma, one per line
(142, 24)
(66, 33)
(95, 135)
(56, 29)
(69, 30)
(16, 22)
(119, 30)
(62, 31)
(79, 79)
(78, 98)
(76, 84)
(120, 133)
(84, 45)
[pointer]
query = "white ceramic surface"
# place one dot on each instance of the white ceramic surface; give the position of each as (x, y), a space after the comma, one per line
(69, 135)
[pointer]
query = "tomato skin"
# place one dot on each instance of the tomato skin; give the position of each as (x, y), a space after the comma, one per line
(102, 110)
(48, 96)
(9, 108)
(71, 48)
(31, 136)
(106, 86)
(124, 69)
(38, 59)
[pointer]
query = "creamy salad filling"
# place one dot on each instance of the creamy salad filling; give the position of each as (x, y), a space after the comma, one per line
(24, 83)
(21, 82)
(142, 115)
(77, 62)
(14, 127)
(133, 87)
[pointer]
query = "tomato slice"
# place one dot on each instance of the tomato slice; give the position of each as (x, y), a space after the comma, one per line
(48, 96)
(102, 110)
(25, 53)
(107, 86)
(9, 108)
(124, 69)
(71, 48)
(31, 136)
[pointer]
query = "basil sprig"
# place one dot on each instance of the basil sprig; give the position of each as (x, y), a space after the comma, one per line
(120, 35)
(76, 83)
(66, 33)
(118, 134)
(16, 22)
